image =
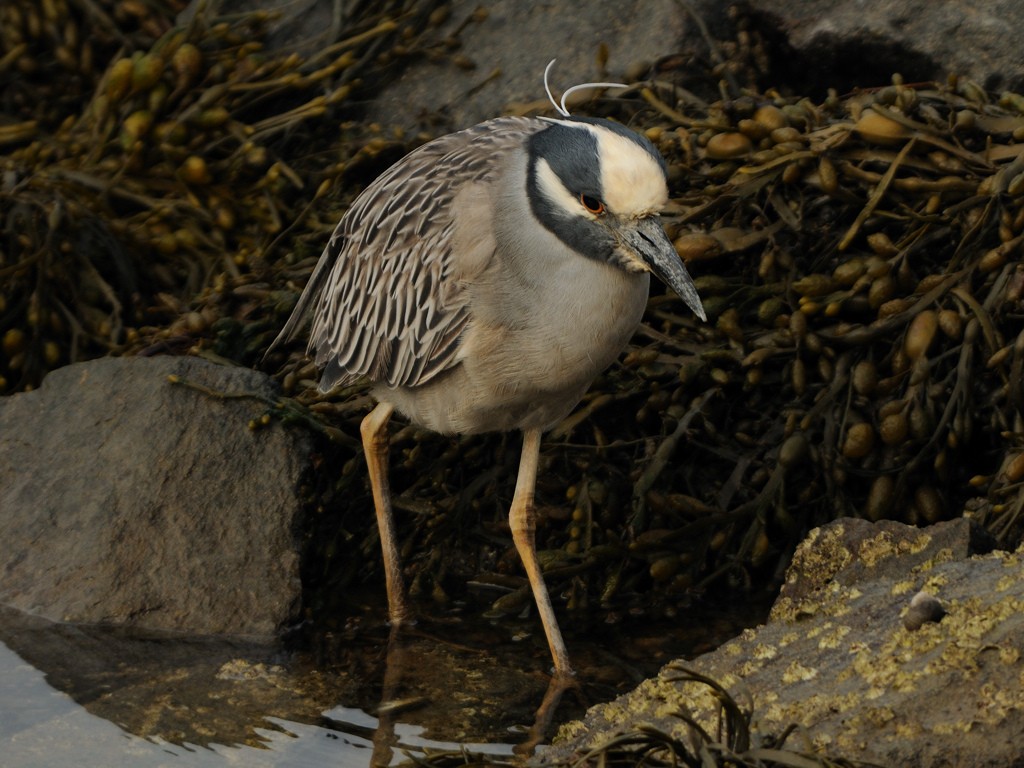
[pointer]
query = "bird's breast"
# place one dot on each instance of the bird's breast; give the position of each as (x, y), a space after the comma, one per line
(581, 322)
(529, 366)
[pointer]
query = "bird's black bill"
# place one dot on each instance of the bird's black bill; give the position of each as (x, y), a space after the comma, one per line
(648, 239)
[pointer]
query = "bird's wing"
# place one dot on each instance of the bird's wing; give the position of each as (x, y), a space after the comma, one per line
(388, 305)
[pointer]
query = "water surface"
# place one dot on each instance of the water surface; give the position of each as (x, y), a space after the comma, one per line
(74, 695)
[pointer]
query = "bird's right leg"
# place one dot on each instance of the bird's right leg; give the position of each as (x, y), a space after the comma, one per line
(374, 431)
(522, 520)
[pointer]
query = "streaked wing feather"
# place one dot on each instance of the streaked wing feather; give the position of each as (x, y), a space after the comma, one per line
(386, 304)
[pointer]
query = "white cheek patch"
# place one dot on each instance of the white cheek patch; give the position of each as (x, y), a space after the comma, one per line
(555, 191)
(632, 181)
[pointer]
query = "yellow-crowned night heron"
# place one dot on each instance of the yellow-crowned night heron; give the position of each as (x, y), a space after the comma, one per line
(481, 283)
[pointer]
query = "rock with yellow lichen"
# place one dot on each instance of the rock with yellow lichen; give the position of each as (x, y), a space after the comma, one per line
(838, 661)
(853, 551)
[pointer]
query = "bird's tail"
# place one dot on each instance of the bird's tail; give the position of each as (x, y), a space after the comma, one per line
(307, 299)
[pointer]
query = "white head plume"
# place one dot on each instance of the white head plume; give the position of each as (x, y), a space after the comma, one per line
(560, 106)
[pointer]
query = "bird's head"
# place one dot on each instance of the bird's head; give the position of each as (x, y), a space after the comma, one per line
(599, 188)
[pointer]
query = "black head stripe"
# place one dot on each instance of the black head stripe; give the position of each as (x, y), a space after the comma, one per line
(572, 155)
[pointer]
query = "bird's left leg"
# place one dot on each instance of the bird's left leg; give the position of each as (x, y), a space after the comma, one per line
(522, 520)
(374, 431)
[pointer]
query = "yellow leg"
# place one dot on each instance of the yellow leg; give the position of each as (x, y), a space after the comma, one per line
(523, 523)
(374, 430)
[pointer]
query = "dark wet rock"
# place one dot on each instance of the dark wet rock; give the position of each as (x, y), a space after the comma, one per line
(127, 499)
(837, 660)
(860, 43)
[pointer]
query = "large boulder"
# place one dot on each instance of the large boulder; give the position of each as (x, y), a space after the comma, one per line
(859, 670)
(488, 57)
(125, 498)
(816, 45)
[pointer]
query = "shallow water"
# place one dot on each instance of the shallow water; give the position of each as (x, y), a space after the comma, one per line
(40, 726)
(91, 696)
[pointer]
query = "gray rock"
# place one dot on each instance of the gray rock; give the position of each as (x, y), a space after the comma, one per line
(514, 42)
(127, 499)
(839, 662)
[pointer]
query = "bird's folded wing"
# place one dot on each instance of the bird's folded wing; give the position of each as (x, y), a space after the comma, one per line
(388, 304)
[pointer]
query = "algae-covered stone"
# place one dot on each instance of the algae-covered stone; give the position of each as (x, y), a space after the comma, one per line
(838, 661)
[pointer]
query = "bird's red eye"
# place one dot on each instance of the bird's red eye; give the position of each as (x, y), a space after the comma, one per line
(592, 204)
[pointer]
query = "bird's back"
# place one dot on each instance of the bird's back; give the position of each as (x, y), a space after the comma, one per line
(386, 299)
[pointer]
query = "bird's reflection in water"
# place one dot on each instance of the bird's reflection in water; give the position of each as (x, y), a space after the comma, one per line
(459, 679)
(403, 665)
